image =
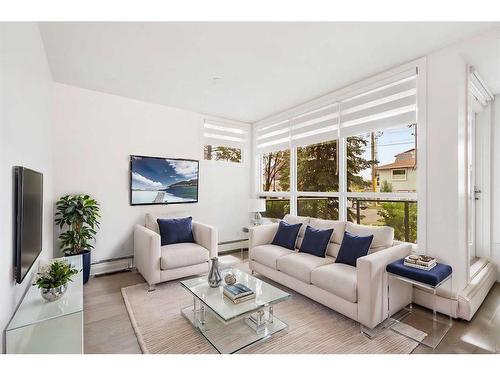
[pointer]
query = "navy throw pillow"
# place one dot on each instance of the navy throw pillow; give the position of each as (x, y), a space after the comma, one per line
(286, 235)
(316, 241)
(176, 230)
(352, 248)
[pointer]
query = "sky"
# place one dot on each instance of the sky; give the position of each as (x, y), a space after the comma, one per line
(389, 144)
(153, 174)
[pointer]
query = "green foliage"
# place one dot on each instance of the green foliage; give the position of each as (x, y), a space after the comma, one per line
(356, 163)
(276, 173)
(322, 208)
(317, 168)
(55, 274)
(386, 187)
(393, 215)
(79, 214)
(277, 208)
(223, 153)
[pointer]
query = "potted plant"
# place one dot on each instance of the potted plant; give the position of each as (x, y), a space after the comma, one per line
(78, 215)
(52, 279)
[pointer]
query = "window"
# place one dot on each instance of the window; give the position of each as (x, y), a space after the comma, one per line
(399, 174)
(317, 167)
(399, 214)
(382, 155)
(320, 207)
(276, 171)
(350, 155)
(225, 141)
(276, 208)
(222, 153)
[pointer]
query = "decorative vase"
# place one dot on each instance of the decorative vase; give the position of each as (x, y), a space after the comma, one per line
(53, 294)
(85, 254)
(214, 278)
(230, 278)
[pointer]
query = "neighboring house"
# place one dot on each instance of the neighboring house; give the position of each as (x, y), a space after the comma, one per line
(401, 175)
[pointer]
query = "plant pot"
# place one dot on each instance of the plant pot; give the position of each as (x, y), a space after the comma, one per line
(53, 294)
(85, 254)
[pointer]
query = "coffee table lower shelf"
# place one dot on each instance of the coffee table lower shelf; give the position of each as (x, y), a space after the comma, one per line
(231, 337)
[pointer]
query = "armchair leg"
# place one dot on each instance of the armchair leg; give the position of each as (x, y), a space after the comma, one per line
(253, 272)
(151, 287)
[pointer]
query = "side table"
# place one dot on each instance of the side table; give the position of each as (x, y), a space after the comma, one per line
(433, 332)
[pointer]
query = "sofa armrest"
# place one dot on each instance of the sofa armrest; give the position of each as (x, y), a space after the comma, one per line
(372, 285)
(147, 253)
(206, 236)
(262, 234)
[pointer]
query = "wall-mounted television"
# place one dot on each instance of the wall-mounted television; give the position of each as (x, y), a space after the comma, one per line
(28, 208)
(156, 180)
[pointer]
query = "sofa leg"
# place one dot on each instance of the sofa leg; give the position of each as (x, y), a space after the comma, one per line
(253, 272)
(151, 287)
(368, 332)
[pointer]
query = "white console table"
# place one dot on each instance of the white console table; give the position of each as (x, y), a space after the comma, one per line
(45, 327)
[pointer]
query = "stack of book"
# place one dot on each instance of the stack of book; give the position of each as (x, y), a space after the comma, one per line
(422, 262)
(238, 293)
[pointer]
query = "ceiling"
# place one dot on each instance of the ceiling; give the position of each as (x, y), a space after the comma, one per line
(240, 71)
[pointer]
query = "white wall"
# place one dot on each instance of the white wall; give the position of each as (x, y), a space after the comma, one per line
(446, 146)
(495, 227)
(26, 140)
(94, 136)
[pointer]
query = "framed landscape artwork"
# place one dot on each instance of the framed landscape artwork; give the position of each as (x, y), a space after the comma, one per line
(163, 180)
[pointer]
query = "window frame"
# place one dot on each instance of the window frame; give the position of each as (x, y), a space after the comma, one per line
(343, 195)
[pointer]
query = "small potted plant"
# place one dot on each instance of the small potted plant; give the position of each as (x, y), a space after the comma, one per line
(52, 279)
(78, 215)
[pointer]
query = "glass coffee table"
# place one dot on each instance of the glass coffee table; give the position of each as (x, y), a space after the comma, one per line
(231, 327)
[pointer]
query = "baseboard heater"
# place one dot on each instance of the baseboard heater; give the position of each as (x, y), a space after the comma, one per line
(110, 266)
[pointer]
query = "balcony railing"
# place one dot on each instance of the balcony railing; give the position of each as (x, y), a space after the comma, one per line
(398, 214)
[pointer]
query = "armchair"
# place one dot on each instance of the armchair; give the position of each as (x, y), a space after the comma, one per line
(158, 263)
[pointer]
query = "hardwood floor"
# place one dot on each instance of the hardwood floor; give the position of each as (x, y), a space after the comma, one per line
(107, 325)
(108, 328)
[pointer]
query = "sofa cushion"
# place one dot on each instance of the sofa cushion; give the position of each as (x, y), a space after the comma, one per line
(182, 255)
(333, 249)
(300, 265)
(316, 241)
(294, 219)
(176, 230)
(151, 219)
(383, 236)
(286, 236)
(268, 254)
(337, 226)
(353, 247)
(339, 279)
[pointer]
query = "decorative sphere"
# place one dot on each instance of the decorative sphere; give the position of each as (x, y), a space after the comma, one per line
(230, 278)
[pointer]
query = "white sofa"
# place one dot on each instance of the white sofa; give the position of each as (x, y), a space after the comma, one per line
(359, 293)
(158, 263)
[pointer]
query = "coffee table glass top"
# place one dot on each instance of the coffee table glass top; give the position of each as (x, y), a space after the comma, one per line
(213, 298)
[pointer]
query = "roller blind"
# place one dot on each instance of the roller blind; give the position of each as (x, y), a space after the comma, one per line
(272, 137)
(389, 105)
(223, 134)
(316, 126)
(386, 104)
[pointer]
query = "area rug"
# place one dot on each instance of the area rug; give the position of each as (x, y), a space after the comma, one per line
(312, 328)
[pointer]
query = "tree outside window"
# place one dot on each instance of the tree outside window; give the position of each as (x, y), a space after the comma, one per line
(276, 171)
(222, 153)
